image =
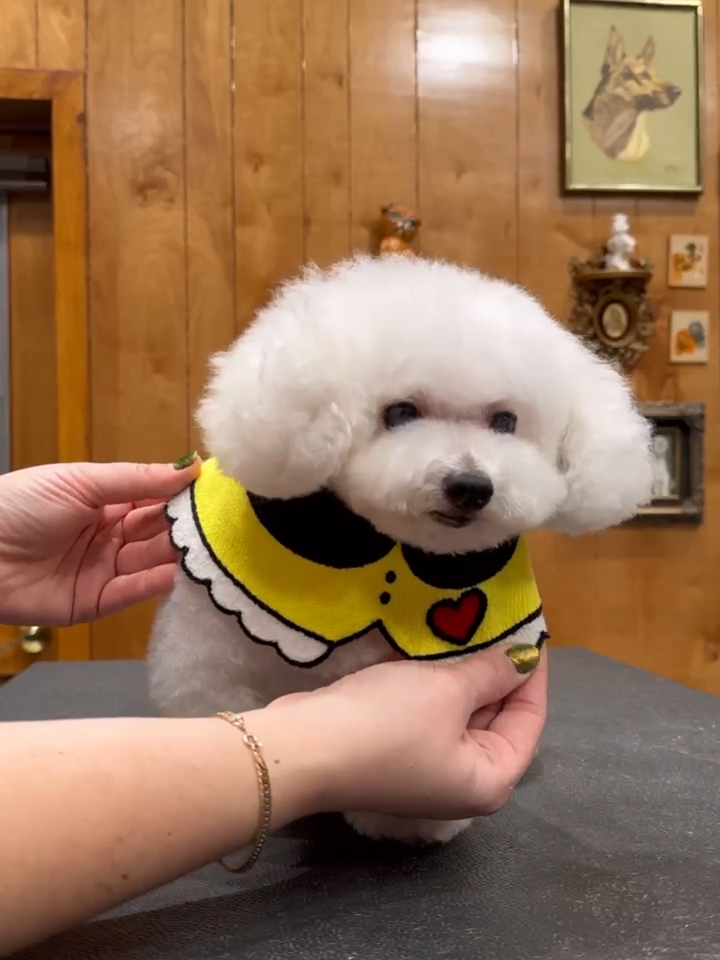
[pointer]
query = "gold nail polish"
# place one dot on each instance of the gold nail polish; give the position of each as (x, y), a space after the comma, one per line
(525, 656)
(184, 462)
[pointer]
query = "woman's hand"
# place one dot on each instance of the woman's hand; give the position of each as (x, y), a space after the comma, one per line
(413, 739)
(82, 540)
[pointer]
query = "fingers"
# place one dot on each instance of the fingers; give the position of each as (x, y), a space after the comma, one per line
(508, 745)
(143, 523)
(146, 541)
(483, 717)
(109, 483)
(492, 675)
(125, 591)
(146, 554)
(520, 722)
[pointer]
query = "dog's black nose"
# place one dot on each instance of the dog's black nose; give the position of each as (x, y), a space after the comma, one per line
(468, 492)
(673, 93)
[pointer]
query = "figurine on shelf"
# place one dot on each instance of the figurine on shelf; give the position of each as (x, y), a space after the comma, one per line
(620, 245)
(397, 228)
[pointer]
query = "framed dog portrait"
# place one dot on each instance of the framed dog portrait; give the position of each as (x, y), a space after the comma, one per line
(677, 462)
(633, 96)
(688, 261)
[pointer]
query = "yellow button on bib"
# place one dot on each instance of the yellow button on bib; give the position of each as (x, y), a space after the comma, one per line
(326, 573)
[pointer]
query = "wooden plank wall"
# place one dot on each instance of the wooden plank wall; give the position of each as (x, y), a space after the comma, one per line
(230, 140)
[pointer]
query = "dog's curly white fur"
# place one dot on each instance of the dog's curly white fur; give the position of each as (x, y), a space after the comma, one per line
(296, 404)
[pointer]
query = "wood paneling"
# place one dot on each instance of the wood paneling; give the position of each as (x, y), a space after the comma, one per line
(209, 163)
(326, 131)
(269, 210)
(18, 35)
(61, 34)
(230, 141)
(383, 111)
(138, 286)
(467, 86)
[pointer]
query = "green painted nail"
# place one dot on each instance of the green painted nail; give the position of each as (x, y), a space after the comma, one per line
(184, 462)
(525, 656)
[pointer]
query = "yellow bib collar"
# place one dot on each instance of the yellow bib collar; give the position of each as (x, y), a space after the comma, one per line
(327, 574)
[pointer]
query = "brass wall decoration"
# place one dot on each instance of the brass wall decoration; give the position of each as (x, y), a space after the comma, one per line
(611, 309)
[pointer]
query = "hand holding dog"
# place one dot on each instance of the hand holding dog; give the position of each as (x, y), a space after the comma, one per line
(82, 540)
(411, 739)
(405, 738)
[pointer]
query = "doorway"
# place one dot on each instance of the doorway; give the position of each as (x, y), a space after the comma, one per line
(43, 314)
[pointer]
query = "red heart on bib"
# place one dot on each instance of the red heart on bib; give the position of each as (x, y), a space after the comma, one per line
(456, 621)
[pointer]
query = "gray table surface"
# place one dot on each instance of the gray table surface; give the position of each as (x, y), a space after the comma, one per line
(609, 850)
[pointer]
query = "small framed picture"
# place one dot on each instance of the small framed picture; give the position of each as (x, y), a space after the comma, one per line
(633, 77)
(688, 261)
(677, 461)
(689, 336)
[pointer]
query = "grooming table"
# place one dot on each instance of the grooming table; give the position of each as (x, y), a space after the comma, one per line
(609, 849)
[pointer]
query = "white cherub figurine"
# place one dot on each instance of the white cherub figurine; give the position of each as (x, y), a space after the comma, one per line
(620, 244)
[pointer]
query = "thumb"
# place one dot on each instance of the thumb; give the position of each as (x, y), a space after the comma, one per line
(492, 675)
(109, 483)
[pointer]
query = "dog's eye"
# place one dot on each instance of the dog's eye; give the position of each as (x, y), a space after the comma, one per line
(398, 414)
(503, 422)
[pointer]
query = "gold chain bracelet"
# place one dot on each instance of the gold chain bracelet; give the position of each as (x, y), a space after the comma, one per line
(263, 828)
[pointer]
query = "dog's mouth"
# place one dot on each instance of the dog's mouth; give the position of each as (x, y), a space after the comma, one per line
(451, 518)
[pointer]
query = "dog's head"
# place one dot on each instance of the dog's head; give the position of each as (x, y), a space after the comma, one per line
(445, 407)
(635, 79)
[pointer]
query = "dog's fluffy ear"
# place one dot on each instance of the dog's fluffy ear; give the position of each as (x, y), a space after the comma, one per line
(271, 414)
(605, 453)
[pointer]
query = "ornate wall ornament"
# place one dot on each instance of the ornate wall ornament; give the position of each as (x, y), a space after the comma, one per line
(611, 309)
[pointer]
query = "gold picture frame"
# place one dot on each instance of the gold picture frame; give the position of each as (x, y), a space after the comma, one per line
(633, 99)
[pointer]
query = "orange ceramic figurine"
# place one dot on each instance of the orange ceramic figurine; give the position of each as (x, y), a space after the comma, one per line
(397, 228)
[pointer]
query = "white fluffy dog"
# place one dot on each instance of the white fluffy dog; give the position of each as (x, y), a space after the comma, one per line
(444, 407)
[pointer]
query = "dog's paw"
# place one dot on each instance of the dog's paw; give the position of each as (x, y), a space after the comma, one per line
(380, 826)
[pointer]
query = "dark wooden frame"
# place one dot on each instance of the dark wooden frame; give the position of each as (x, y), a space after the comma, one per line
(688, 508)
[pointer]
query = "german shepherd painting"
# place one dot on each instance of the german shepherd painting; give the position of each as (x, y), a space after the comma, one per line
(629, 88)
